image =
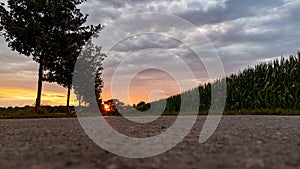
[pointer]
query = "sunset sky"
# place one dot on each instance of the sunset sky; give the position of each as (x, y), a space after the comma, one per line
(243, 32)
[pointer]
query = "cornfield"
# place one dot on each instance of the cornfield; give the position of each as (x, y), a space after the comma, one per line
(269, 85)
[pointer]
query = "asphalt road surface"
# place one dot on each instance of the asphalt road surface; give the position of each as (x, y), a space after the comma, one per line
(239, 142)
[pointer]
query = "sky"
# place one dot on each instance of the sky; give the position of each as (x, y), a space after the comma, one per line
(243, 33)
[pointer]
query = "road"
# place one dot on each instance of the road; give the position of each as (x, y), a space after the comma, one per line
(239, 142)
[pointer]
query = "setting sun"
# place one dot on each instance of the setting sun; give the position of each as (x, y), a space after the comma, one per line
(106, 107)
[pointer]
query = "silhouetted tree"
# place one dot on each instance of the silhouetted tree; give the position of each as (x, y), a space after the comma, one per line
(70, 45)
(36, 28)
(87, 82)
(142, 106)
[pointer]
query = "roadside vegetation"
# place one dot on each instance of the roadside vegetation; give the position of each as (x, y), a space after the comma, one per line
(31, 112)
(271, 88)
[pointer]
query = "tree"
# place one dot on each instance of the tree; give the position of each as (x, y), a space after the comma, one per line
(36, 28)
(70, 47)
(142, 106)
(87, 82)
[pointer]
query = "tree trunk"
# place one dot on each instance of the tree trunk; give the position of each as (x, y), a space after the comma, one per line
(40, 84)
(79, 102)
(68, 100)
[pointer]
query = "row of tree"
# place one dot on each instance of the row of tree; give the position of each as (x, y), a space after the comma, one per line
(52, 32)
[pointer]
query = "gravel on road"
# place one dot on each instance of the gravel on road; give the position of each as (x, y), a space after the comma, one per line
(239, 142)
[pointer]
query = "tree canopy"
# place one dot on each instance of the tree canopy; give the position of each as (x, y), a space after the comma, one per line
(51, 31)
(87, 82)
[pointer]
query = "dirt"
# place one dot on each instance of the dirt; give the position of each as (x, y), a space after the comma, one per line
(239, 142)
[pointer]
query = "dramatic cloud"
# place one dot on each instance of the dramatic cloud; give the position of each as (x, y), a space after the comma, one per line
(243, 33)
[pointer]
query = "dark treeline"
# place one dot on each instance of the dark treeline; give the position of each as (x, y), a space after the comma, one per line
(30, 112)
(267, 86)
(30, 109)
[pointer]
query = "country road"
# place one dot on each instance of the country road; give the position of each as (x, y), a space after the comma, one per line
(239, 142)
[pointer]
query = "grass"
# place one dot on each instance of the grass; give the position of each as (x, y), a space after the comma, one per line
(19, 115)
(45, 113)
(30, 112)
(277, 111)
(274, 112)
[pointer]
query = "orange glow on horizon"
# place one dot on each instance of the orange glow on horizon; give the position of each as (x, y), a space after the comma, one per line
(141, 88)
(22, 97)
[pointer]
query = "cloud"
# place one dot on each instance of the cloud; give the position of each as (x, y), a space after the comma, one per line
(243, 33)
(146, 41)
